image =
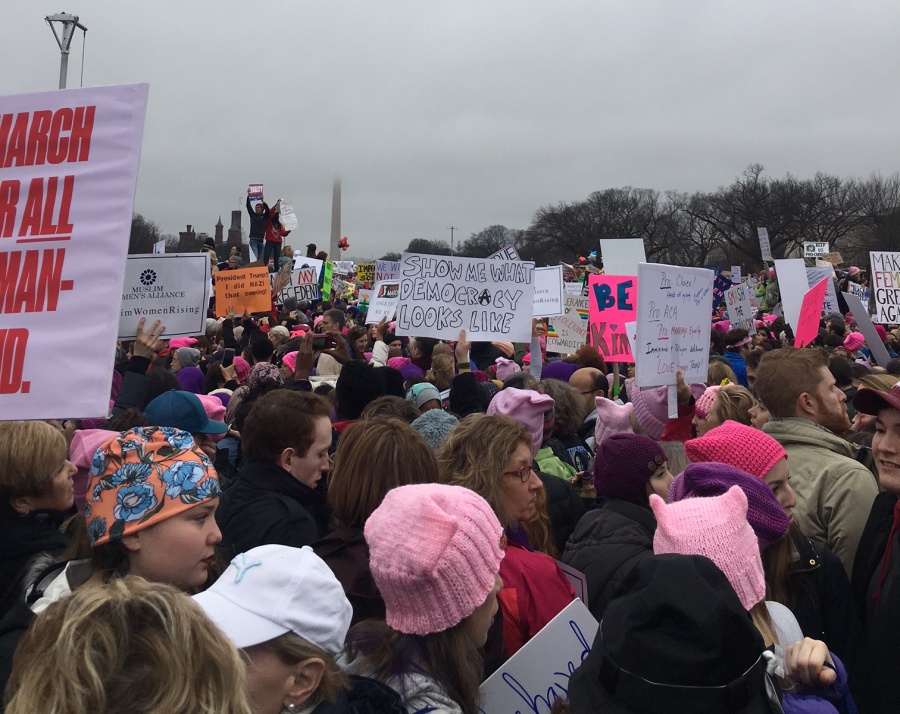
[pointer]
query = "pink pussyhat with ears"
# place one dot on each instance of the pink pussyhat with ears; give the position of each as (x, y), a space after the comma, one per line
(525, 406)
(215, 410)
(612, 418)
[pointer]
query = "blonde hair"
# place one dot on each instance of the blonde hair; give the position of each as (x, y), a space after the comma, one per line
(31, 454)
(128, 646)
(441, 371)
(292, 649)
(718, 372)
(475, 454)
(733, 402)
(881, 382)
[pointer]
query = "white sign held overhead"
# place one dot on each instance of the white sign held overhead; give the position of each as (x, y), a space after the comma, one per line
(68, 180)
(735, 274)
(159, 247)
(548, 291)
(301, 261)
(673, 324)
(383, 301)
(303, 285)
(740, 312)
(885, 268)
(573, 288)
(441, 295)
(792, 285)
(507, 252)
(343, 267)
(539, 672)
(172, 288)
(815, 276)
(813, 249)
(568, 332)
(621, 256)
(764, 247)
(386, 270)
(288, 217)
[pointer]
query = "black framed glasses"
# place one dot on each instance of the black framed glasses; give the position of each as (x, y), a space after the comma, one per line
(523, 473)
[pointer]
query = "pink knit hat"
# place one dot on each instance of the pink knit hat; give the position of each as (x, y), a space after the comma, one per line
(242, 367)
(721, 326)
(290, 359)
(178, 342)
(882, 332)
(215, 410)
(704, 404)
(505, 368)
(717, 528)
(853, 341)
(398, 362)
(650, 406)
(525, 406)
(612, 418)
(439, 576)
(84, 443)
(737, 445)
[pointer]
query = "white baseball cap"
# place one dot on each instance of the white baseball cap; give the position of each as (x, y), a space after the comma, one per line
(274, 589)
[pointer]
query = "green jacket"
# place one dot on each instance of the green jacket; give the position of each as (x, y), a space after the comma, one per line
(834, 490)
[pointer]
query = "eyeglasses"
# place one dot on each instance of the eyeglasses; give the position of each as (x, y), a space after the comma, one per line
(523, 473)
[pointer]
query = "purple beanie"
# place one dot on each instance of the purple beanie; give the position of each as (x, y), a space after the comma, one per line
(765, 514)
(525, 406)
(191, 379)
(562, 371)
(624, 465)
(411, 370)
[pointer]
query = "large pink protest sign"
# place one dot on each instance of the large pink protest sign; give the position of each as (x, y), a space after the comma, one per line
(612, 301)
(810, 313)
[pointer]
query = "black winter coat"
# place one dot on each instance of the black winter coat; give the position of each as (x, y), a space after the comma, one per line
(564, 506)
(23, 537)
(876, 687)
(267, 505)
(607, 543)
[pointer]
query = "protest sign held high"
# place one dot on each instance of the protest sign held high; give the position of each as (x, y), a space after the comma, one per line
(386, 270)
(246, 289)
(548, 295)
(441, 295)
(740, 312)
(383, 302)
(613, 302)
(567, 333)
(621, 256)
(673, 324)
(365, 272)
(69, 164)
(810, 312)
(886, 284)
(172, 287)
(765, 247)
(303, 285)
(507, 252)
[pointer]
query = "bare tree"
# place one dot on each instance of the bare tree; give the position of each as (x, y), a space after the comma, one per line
(144, 234)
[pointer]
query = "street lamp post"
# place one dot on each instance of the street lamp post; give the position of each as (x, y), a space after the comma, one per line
(64, 40)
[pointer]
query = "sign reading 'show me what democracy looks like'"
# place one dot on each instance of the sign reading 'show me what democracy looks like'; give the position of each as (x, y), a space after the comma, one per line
(441, 295)
(673, 324)
(567, 333)
(246, 289)
(172, 288)
(613, 302)
(886, 284)
(68, 167)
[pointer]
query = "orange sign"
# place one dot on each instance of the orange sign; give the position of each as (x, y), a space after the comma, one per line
(247, 289)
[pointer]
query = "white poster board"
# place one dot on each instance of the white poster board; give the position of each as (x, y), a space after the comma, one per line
(861, 291)
(172, 288)
(764, 247)
(885, 281)
(301, 261)
(159, 247)
(538, 674)
(288, 217)
(735, 274)
(568, 332)
(873, 341)
(441, 295)
(740, 312)
(573, 288)
(621, 256)
(507, 252)
(815, 276)
(383, 301)
(792, 285)
(303, 286)
(814, 249)
(387, 270)
(548, 291)
(343, 267)
(674, 309)
(68, 177)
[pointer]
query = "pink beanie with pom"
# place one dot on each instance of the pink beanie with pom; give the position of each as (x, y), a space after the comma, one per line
(525, 406)
(717, 528)
(438, 578)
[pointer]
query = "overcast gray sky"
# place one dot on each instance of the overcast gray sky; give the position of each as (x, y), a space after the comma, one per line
(473, 113)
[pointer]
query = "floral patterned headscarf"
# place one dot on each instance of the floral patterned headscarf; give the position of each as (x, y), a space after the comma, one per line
(144, 476)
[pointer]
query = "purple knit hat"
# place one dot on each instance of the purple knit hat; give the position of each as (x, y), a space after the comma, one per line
(562, 371)
(436, 579)
(765, 514)
(191, 379)
(411, 370)
(650, 406)
(525, 406)
(624, 465)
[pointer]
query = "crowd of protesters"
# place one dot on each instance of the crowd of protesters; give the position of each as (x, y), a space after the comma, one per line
(300, 512)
